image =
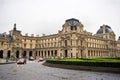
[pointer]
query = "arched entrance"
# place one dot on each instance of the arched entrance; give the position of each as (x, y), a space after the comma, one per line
(56, 53)
(48, 53)
(66, 52)
(17, 54)
(45, 54)
(24, 54)
(30, 54)
(52, 53)
(42, 54)
(1, 53)
(8, 53)
(36, 55)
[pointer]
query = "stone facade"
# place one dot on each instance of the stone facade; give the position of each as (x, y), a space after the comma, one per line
(71, 42)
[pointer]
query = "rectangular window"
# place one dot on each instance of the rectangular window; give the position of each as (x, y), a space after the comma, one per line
(31, 46)
(17, 45)
(36, 45)
(1, 44)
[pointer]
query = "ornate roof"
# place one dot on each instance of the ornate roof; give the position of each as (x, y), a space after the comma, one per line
(7, 36)
(107, 29)
(1, 36)
(72, 19)
(73, 23)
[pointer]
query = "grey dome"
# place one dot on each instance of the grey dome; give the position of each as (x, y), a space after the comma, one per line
(107, 29)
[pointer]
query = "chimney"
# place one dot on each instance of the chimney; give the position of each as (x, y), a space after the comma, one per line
(32, 35)
(43, 34)
(37, 35)
(4, 34)
(104, 26)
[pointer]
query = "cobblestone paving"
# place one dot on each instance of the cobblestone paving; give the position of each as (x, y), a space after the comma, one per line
(37, 71)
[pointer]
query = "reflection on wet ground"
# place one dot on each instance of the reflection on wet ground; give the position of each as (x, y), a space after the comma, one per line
(37, 71)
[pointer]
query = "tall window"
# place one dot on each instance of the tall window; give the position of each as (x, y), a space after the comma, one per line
(17, 45)
(65, 42)
(36, 45)
(31, 46)
(71, 42)
(1, 44)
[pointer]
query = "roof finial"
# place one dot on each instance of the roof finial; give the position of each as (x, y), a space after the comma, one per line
(14, 27)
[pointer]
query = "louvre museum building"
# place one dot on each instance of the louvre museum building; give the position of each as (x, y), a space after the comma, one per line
(70, 42)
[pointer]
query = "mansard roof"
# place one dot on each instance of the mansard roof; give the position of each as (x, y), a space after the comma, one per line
(7, 36)
(107, 29)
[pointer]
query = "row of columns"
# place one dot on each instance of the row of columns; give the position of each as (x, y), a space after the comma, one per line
(94, 53)
(43, 53)
(28, 54)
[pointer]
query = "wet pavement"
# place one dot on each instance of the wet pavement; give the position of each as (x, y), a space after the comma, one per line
(37, 71)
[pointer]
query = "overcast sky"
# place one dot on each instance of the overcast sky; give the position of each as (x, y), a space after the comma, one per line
(48, 16)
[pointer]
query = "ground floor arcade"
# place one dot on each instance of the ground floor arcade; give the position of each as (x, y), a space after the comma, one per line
(61, 53)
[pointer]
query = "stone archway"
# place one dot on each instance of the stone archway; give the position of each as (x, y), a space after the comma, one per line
(52, 53)
(66, 53)
(30, 54)
(56, 53)
(24, 54)
(36, 54)
(17, 54)
(1, 53)
(42, 54)
(8, 53)
(45, 54)
(48, 53)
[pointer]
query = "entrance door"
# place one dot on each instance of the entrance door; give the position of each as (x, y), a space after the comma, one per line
(1, 53)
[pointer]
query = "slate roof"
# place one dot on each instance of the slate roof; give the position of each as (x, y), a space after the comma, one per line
(107, 29)
(8, 37)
